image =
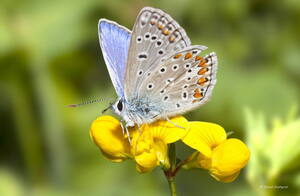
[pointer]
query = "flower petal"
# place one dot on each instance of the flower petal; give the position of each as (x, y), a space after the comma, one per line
(204, 161)
(150, 147)
(161, 150)
(142, 169)
(204, 136)
(146, 161)
(226, 179)
(167, 131)
(107, 134)
(192, 161)
(152, 155)
(229, 158)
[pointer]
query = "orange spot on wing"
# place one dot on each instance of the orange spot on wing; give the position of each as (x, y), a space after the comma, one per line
(171, 38)
(197, 90)
(202, 71)
(201, 81)
(187, 56)
(177, 56)
(160, 26)
(198, 58)
(166, 32)
(202, 63)
(197, 94)
(152, 22)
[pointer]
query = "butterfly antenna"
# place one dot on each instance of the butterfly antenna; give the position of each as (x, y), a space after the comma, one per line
(84, 103)
(109, 107)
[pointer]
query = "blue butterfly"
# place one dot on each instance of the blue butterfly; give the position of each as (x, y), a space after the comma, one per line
(155, 70)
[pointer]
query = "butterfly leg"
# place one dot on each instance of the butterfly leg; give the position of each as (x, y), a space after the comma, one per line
(122, 126)
(174, 123)
(125, 131)
(128, 135)
(139, 128)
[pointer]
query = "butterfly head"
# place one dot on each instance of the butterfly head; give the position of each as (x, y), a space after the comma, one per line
(119, 107)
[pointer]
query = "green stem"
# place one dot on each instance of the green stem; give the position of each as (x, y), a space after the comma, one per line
(171, 172)
(172, 186)
(172, 157)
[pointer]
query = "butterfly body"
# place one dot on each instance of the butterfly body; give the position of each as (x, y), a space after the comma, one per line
(137, 110)
(154, 69)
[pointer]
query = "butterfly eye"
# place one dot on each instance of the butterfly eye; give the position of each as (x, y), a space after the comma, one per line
(120, 106)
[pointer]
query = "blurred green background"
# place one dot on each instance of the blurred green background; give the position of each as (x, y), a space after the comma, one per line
(50, 57)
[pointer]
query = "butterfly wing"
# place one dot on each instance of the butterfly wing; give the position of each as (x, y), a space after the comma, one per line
(194, 88)
(114, 42)
(183, 82)
(155, 35)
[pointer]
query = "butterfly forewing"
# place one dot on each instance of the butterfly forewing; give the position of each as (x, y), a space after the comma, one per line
(155, 35)
(114, 42)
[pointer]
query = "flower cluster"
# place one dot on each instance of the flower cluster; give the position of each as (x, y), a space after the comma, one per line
(222, 157)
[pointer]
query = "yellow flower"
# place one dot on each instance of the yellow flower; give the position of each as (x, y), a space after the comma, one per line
(150, 148)
(107, 134)
(149, 143)
(222, 157)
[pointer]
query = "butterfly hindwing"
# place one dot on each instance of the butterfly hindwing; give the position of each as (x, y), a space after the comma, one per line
(193, 88)
(169, 71)
(155, 35)
(114, 42)
(183, 82)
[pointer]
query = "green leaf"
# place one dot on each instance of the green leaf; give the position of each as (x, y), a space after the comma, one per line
(284, 147)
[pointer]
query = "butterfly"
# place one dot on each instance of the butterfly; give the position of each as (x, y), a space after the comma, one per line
(155, 70)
